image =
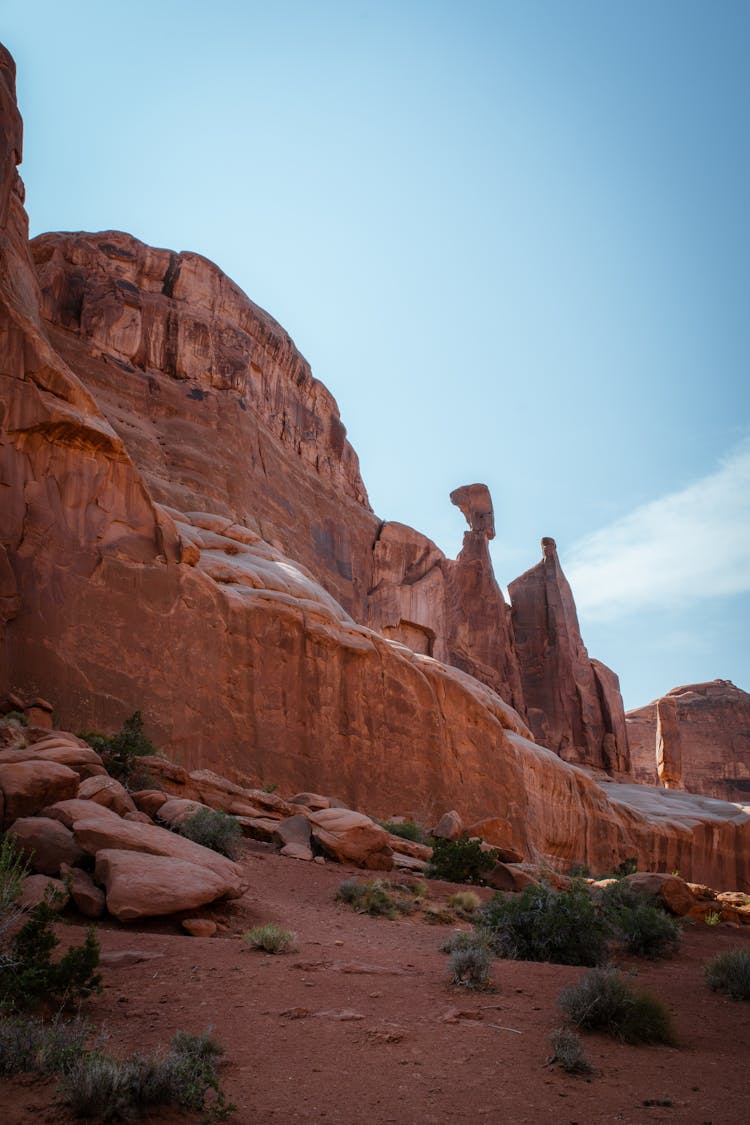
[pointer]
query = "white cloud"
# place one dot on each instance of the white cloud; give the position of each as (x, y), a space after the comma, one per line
(689, 545)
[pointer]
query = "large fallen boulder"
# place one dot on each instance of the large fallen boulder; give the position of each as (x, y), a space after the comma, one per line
(108, 792)
(671, 891)
(68, 812)
(46, 843)
(105, 833)
(142, 885)
(351, 837)
(29, 786)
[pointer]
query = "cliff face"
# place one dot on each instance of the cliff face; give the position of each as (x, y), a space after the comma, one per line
(573, 703)
(193, 539)
(695, 738)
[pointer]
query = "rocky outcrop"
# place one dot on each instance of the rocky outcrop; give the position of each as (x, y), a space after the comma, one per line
(452, 610)
(696, 738)
(573, 704)
(178, 495)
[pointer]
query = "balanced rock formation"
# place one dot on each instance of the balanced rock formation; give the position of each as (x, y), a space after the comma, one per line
(573, 703)
(452, 610)
(184, 531)
(695, 737)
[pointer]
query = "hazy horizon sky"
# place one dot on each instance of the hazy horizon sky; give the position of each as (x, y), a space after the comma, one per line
(513, 239)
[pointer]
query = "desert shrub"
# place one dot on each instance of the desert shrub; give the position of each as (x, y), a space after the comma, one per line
(628, 866)
(459, 861)
(13, 870)
(602, 1000)
(568, 1052)
(470, 967)
(214, 829)
(104, 1089)
(30, 1046)
(379, 898)
(462, 939)
(28, 975)
(14, 719)
(270, 938)
(729, 972)
(120, 752)
(406, 829)
(465, 902)
(542, 924)
(644, 928)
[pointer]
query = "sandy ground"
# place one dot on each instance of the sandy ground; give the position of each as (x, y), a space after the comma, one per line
(360, 1024)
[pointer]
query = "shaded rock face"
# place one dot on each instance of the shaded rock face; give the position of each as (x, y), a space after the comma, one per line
(697, 738)
(573, 704)
(452, 610)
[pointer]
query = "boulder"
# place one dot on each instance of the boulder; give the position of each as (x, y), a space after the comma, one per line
(100, 833)
(108, 792)
(47, 843)
(351, 837)
(509, 877)
(259, 828)
(176, 809)
(297, 851)
(142, 885)
(293, 830)
(68, 812)
(449, 827)
(672, 891)
(312, 801)
(85, 894)
(31, 785)
(199, 927)
(41, 888)
(150, 800)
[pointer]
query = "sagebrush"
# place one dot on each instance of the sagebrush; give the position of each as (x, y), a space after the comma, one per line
(729, 972)
(542, 924)
(213, 829)
(603, 1000)
(270, 938)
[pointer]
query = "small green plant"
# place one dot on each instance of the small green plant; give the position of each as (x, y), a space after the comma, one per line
(377, 897)
(105, 1089)
(628, 866)
(120, 752)
(464, 902)
(270, 788)
(406, 829)
(579, 871)
(28, 1045)
(470, 968)
(270, 938)
(644, 928)
(729, 972)
(13, 871)
(28, 975)
(712, 918)
(213, 829)
(459, 861)
(602, 1000)
(568, 1052)
(542, 924)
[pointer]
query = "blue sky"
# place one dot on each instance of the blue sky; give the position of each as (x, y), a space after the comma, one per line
(512, 238)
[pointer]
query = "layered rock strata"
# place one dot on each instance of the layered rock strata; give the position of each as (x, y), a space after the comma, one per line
(696, 738)
(132, 581)
(573, 703)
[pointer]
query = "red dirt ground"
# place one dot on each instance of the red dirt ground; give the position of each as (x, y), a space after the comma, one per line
(360, 1024)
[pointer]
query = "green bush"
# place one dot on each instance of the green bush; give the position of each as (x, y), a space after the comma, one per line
(470, 967)
(270, 938)
(120, 752)
(644, 928)
(378, 898)
(729, 972)
(14, 719)
(542, 924)
(105, 1089)
(464, 902)
(459, 861)
(214, 829)
(13, 870)
(461, 939)
(602, 1000)
(406, 829)
(568, 1052)
(28, 975)
(30, 1046)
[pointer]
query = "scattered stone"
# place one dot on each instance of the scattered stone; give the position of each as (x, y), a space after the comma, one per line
(199, 927)
(125, 958)
(85, 894)
(297, 851)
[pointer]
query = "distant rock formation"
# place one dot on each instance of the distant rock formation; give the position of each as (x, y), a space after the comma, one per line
(452, 610)
(696, 738)
(573, 703)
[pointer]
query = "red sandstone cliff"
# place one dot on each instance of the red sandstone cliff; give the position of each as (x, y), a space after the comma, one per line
(695, 738)
(149, 559)
(573, 703)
